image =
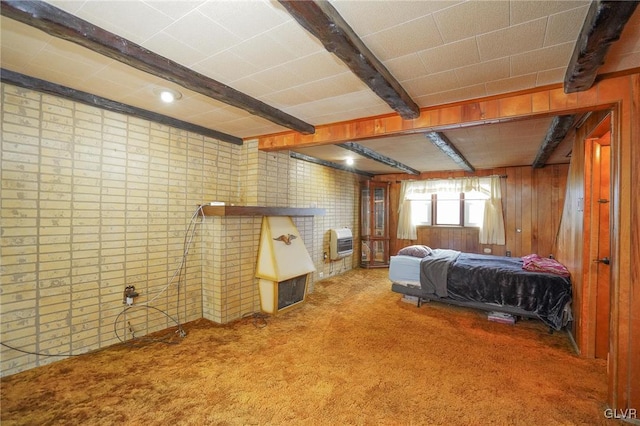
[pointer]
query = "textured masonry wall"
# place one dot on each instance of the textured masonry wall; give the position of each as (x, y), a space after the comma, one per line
(230, 244)
(93, 201)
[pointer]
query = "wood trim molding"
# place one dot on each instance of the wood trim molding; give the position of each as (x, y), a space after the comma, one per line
(66, 26)
(545, 102)
(322, 20)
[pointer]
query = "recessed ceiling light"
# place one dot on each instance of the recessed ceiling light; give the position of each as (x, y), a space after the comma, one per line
(349, 161)
(167, 95)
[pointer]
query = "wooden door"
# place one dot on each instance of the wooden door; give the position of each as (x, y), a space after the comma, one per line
(600, 242)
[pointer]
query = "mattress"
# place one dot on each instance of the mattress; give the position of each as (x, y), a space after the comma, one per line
(405, 270)
(487, 282)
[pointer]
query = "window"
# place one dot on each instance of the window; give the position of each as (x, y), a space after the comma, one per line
(450, 209)
(421, 212)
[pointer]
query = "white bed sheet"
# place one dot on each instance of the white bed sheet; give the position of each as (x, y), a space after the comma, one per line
(405, 270)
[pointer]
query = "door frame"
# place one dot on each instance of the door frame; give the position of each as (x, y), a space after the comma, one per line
(589, 252)
(594, 148)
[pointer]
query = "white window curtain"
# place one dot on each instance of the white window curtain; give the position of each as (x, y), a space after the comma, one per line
(492, 230)
(406, 228)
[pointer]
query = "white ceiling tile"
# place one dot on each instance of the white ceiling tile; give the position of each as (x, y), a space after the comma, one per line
(225, 67)
(523, 11)
(512, 40)
(561, 28)
(70, 60)
(263, 52)
(277, 79)
(22, 37)
(71, 6)
(204, 35)
(455, 95)
(551, 76)
(123, 18)
(116, 72)
(336, 85)
(289, 97)
(417, 152)
(296, 39)
(381, 15)
(432, 83)
(338, 155)
(406, 67)
(513, 84)
(418, 34)
(175, 9)
(348, 104)
(516, 141)
(318, 66)
(483, 72)
(250, 126)
(452, 55)
(165, 45)
(541, 59)
(13, 59)
(255, 87)
(471, 18)
(219, 115)
(193, 103)
(245, 19)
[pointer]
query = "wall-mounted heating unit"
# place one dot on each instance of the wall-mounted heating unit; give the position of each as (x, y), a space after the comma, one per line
(340, 243)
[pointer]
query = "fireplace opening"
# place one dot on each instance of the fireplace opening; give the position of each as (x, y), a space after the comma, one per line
(291, 291)
(277, 296)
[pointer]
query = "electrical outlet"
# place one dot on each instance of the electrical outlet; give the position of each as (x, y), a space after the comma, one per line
(129, 294)
(321, 274)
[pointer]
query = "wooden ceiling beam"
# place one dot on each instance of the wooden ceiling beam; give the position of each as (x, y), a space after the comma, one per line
(445, 145)
(558, 129)
(326, 163)
(376, 156)
(602, 27)
(323, 21)
(36, 84)
(61, 24)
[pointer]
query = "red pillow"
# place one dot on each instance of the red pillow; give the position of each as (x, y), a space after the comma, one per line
(536, 263)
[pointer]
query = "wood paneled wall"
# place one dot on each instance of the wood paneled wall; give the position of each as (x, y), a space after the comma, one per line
(571, 243)
(622, 96)
(532, 201)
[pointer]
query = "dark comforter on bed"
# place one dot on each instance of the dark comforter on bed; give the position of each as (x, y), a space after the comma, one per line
(495, 280)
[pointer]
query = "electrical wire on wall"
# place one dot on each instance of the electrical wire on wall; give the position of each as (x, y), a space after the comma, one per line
(181, 275)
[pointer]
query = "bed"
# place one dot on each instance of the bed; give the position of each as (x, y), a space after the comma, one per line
(487, 282)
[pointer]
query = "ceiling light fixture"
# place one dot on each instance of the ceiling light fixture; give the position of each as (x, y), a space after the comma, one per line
(349, 161)
(167, 95)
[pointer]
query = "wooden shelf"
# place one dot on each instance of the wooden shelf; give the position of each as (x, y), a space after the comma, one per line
(260, 211)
